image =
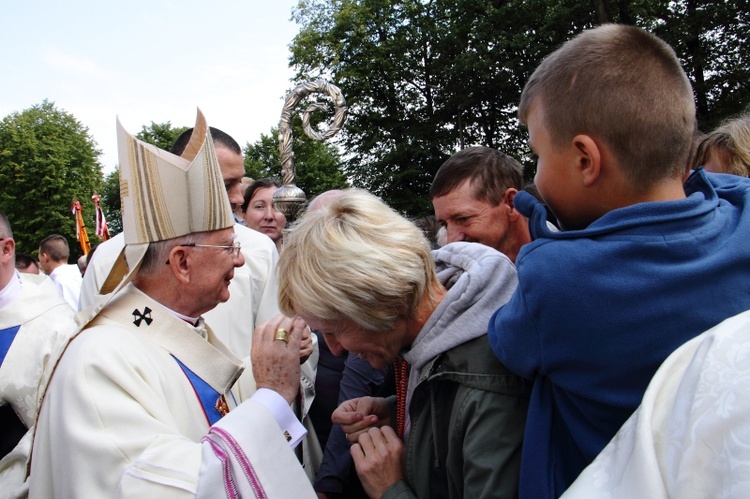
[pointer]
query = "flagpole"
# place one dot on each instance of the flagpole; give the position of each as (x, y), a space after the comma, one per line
(81, 233)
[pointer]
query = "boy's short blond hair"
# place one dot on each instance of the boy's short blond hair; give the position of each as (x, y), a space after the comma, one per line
(625, 87)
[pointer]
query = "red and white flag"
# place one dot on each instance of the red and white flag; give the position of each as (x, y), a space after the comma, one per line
(101, 224)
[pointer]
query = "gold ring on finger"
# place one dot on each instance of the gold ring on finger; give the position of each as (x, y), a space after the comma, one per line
(281, 334)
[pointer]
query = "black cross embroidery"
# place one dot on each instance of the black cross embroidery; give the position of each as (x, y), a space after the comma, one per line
(142, 316)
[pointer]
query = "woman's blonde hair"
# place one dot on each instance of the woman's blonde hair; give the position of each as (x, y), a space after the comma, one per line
(355, 259)
(731, 143)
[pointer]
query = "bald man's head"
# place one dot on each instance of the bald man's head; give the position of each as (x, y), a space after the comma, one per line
(324, 199)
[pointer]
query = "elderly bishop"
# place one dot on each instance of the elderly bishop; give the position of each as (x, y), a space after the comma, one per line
(140, 404)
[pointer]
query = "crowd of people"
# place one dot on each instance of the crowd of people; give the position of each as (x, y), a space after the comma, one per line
(583, 336)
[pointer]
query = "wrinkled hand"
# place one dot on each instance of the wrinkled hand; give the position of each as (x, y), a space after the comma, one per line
(275, 363)
(306, 346)
(378, 457)
(356, 416)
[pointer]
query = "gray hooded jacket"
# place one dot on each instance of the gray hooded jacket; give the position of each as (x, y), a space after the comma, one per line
(467, 412)
(479, 280)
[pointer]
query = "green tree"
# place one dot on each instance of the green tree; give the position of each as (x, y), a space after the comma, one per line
(712, 39)
(374, 51)
(485, 52)
(47, 158)
(110, 202)
(318, 165)
(162, 135)
(425, 78)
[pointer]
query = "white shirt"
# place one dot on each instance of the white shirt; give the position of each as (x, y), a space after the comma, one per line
(68, 280)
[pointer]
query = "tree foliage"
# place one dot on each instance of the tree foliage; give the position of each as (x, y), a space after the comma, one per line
(47, 158)
(712, 39)
(425, 78)
(318, 165)
(162, 135)
(110, 202)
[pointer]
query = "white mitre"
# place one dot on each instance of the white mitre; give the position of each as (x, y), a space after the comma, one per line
(164, 196)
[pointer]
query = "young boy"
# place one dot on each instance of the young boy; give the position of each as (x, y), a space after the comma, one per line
(643, 263)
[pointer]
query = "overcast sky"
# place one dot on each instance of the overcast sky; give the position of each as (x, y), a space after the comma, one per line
(144, 61)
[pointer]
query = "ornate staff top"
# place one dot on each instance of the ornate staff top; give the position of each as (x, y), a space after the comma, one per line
(289, 199)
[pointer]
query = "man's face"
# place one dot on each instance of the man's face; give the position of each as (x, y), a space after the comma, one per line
(467, 218)
(555, 171)
(378, 348)
(232, 170)
(212, 269)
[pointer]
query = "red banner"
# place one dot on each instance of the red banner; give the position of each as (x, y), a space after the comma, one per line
(81, 233)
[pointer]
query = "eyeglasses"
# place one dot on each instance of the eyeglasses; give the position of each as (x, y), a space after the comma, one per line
(233, 250)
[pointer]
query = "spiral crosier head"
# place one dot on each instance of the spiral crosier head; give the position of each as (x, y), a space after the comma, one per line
(290, 199)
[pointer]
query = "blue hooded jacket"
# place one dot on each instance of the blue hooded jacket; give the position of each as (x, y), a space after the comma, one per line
(597, 310)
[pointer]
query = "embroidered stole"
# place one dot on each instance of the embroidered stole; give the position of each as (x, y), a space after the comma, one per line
(213, 368)
(213, 403)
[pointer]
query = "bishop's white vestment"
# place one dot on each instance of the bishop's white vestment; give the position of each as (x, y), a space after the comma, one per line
(252, 301)
(132, 412)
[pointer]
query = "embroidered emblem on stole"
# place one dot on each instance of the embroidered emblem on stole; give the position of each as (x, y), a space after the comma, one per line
(144, 316)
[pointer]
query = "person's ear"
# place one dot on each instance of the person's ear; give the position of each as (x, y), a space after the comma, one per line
(8, 250)
(508, 197)
(588, 158)
(179, 263)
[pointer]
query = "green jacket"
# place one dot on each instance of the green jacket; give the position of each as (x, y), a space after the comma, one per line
(468, 415)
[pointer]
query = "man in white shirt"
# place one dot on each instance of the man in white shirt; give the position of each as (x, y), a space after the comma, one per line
(53, 259)
(138, 403)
